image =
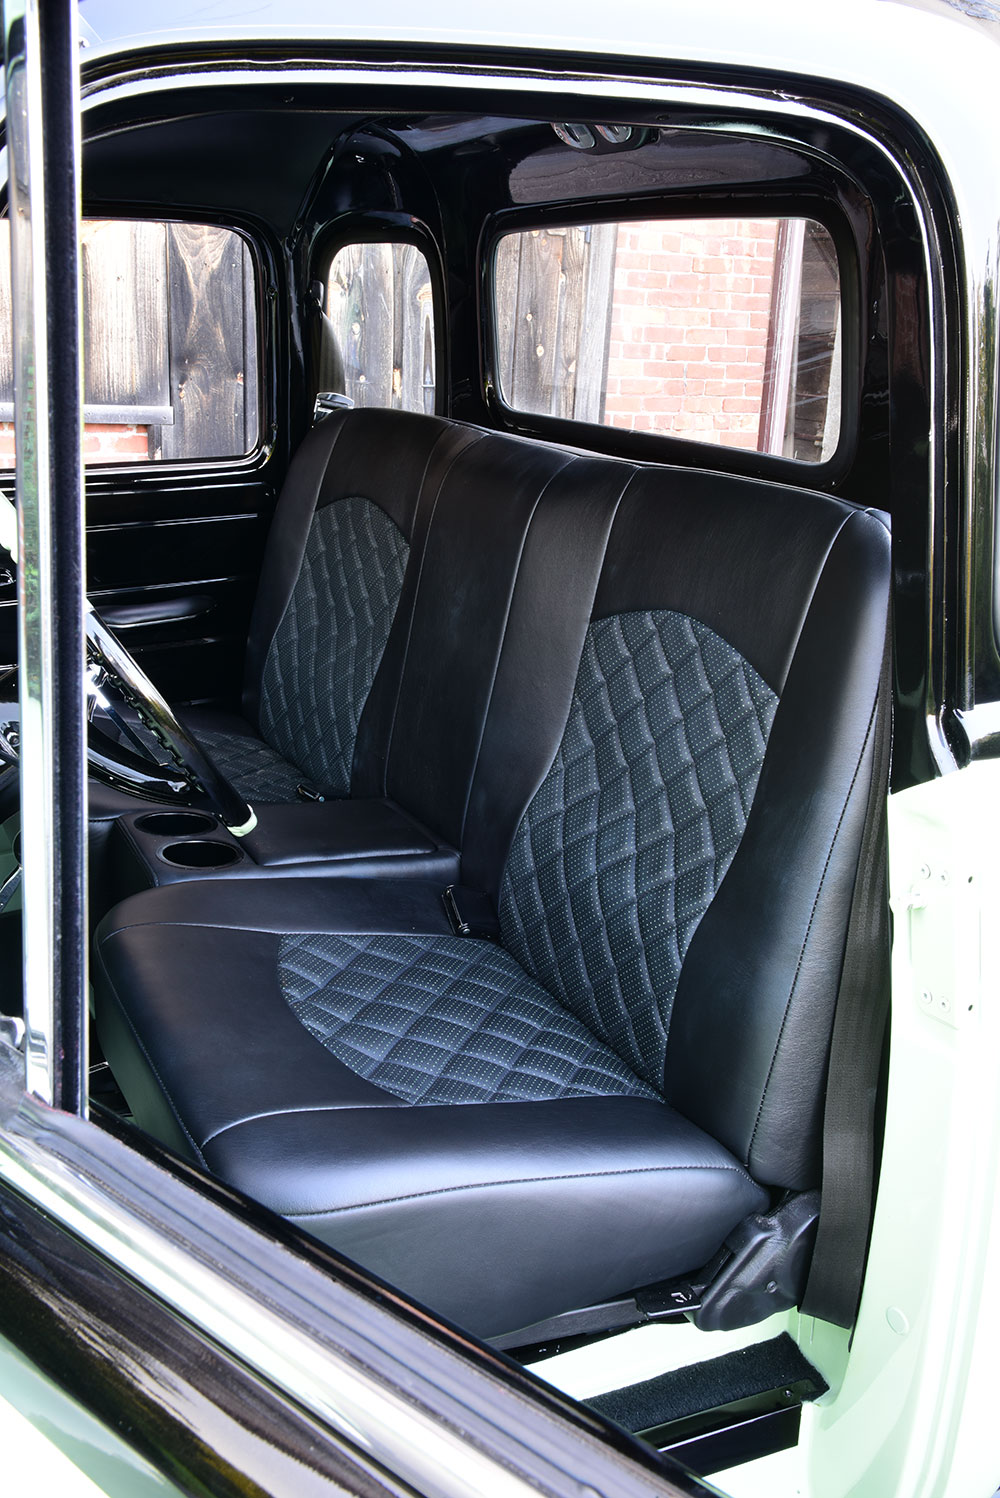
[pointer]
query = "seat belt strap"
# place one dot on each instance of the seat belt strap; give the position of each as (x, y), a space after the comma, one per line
(833, 1289)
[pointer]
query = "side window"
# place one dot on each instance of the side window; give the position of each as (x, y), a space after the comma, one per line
(380, 311)
(715, 330)
(170, 343)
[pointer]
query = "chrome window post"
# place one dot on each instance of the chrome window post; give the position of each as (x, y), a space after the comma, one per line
(43, 139)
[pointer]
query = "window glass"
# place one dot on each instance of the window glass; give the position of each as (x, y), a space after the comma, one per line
(170, 343)
(380, 310)
(717, 330)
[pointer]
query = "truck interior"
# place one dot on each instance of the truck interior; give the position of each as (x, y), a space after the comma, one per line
(509, 496)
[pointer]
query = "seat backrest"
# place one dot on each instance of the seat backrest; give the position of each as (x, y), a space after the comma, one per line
(681, 877)
(420, 734)
(339, 549)
(638, 699)
(508, 573)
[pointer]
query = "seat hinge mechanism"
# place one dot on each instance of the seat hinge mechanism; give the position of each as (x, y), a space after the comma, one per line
(470, 913)
(761, 1268)
(767, 1261)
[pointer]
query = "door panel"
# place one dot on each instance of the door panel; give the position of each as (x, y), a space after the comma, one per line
(157, 544)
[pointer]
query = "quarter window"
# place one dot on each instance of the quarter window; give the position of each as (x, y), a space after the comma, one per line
(716, 330)
(170, 343)
(380, 311)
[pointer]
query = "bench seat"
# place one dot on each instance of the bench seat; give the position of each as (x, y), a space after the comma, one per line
(651, 756)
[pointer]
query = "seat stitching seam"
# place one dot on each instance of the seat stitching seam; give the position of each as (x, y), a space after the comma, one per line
(160, 1082)
(539, 497)
(405, 657)
(808, 930)
(585, 1175)
(195, 924)
(295, 1112)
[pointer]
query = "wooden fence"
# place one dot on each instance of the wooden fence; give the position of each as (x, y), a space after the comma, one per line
(554, 305)
(716, 330)
(379, 301)
(170, 337)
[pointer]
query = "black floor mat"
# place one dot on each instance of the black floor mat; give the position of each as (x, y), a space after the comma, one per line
(704, 1386)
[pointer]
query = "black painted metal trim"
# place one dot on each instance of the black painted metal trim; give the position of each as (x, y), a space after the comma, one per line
(744, 1440)
(192, 1410)
(810, 202)
(490, 1404)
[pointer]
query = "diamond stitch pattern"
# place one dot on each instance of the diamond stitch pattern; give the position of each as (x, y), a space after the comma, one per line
(442, 1019)
(627, 839)
(252, 766)
(326, 650)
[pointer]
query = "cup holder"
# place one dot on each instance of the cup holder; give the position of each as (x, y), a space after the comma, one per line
(176, 823)
(200, 854)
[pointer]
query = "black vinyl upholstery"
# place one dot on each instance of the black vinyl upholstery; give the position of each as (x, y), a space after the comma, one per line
(638, 703)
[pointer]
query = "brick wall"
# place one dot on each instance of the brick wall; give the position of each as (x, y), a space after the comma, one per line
(101, 444)
(689, 328)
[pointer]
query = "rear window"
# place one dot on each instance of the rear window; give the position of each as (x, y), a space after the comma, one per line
(169, 342)
(380, 321)
(715, 330)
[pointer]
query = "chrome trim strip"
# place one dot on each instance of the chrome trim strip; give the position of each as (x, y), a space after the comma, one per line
(43, 121)
(334, 1351)
(161, 416)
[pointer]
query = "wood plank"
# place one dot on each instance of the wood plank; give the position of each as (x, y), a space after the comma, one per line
(205, 267)
(342, 288)
(536, 321)
(360, 302)
(415, 329)
(377, 326)
(569, 315)
(506, 276)
(124, 273)
(595, 333)
(251, 345)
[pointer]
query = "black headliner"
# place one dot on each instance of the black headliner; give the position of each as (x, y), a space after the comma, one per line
(245, 162)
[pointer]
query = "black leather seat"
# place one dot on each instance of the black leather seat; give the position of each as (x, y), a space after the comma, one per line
(378, 697)
(348, 527)
(665, 813)
(347, 530)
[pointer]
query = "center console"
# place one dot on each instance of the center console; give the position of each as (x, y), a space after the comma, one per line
(334, 838)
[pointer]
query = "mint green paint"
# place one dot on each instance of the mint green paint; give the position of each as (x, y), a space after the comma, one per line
(100, 1453)
(912, 1411)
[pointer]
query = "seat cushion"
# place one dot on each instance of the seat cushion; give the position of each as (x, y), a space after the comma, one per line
(256, 770)
(412, 1098)
(439, 1019)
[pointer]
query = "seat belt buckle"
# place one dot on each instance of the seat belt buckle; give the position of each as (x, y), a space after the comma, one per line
(307, 792)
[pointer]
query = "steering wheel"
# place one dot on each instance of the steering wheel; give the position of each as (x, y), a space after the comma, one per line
(186, 773)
